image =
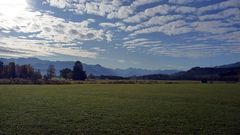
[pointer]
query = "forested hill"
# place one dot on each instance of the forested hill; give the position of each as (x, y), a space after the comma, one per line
(229, 72)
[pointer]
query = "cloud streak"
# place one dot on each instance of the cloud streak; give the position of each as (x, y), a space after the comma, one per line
(19, 47)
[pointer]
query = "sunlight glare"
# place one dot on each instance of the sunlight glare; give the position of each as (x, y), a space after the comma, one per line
(10, 9)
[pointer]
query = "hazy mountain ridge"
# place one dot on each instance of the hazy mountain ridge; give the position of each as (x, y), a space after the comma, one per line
(97, 69)
(234, 65)
(230, 72)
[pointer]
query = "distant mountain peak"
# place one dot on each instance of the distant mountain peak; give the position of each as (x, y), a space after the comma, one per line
(98, 65)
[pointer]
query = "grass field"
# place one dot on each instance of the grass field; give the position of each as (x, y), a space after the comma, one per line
(120, 109)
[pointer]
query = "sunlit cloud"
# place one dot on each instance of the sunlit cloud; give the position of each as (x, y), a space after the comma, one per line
(30, 48)
(11, 9)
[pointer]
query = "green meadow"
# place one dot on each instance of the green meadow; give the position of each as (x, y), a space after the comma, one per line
(109, 109)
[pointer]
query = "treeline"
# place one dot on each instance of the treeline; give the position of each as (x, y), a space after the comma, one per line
(195, 74)
(210, 74)
(14, 73)
(198, 74)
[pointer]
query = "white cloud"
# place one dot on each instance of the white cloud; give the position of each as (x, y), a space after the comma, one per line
(58, 3)
(186, 2)
(110, 9)
(94, 8)
(118, 25)
(229, 37)
(185, 10)
(137, 3)
(181, 1)
(160, 9)
(193, 51)
(123, 12)
(109, 36)
(106, 8)
(219, 6)
(46, 35)
(52, 28)
(172, 28)
(180, 49)
(156, 20)
(18, 47)
(98, 49)
(140, 42)
(232, 12)
(213, 27)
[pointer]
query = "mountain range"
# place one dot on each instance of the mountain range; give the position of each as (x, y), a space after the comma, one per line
(230, 73)
(234, 65)
(96, 70)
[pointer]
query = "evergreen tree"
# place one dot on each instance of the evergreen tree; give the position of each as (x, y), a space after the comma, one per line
(78, 73)
(51, 72)
(1, 70)
(36, 76)
(66, 73)
(11, 70)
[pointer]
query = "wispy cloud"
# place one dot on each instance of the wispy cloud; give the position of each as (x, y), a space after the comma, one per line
(194, 51)
(172, 28)
(18, 47)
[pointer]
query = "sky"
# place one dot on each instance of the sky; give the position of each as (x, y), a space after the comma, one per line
(151, 34)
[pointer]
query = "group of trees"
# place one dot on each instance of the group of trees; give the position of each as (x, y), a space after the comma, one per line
(12, 71)
(26, 71)
(76, 74)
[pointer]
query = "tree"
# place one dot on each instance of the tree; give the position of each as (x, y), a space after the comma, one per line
(91, 76)
(78, 73)
(51, 72)
(36, 76)
(66, 73)
(11, 70)
(1, 70)
(45, 77)
(25, 71)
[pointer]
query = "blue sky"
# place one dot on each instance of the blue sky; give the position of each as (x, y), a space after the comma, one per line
(152, 34)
